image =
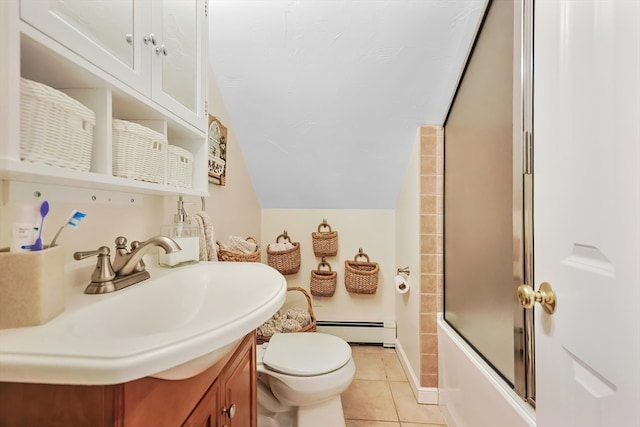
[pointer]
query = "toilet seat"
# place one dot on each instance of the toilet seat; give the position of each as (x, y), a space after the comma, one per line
(306, 353)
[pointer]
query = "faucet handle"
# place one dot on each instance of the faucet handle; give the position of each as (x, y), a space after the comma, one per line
(103, 273)
(121, 242)
(102, 250)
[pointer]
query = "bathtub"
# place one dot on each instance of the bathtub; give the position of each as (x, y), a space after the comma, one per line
(471, 394)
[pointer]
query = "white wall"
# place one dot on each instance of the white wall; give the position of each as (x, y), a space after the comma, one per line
(372, 230)
(407, 237)
(103, 223)
(234, 207)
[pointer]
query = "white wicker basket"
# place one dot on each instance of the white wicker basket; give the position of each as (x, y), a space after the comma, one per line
(55, 129)
(179, 167)
(138, 152)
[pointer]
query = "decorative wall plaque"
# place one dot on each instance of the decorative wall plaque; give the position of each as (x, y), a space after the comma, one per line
(217, 138)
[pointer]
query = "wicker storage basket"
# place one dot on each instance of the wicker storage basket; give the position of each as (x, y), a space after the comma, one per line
(286, 261)
(311, 327)
(323, 282)
(325, 243)
(55, 129)
(179, 167)
(237, 256)
(361, 277)
(138, 152)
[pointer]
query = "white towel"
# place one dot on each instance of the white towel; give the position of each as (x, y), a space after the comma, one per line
(241, 245)
(279, 247)
(208, 251)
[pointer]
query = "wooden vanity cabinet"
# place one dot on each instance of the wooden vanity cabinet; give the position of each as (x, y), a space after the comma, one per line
(231, 400)
(203, 400)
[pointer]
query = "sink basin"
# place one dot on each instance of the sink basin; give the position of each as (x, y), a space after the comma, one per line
(172, 326)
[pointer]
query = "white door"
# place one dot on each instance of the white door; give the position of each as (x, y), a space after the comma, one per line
(587, 211)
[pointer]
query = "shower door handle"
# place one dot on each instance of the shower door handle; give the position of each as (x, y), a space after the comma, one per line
(544, 295)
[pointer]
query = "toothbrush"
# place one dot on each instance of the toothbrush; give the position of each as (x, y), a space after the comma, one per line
(73, 220)
(44, 210)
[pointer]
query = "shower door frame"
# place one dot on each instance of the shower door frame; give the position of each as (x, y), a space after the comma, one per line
(524, 338)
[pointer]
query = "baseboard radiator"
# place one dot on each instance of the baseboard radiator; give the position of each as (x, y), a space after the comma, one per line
(380, 333)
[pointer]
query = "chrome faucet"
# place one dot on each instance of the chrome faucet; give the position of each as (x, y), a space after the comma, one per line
(128, 267)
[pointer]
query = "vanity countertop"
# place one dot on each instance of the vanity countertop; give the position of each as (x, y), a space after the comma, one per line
(181, 315)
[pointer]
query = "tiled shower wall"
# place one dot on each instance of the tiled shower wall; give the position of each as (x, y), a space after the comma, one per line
(431, 243)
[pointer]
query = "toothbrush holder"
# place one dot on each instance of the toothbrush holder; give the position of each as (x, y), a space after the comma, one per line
(32, 288)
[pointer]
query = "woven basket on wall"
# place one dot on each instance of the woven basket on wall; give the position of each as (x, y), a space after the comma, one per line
(325, 243)
(237, 256)
(311, 327)
(361, 277)
(285, 261)
(323, 282)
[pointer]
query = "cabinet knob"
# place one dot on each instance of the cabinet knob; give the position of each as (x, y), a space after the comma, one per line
(151, 38)
(230, 411)
(162, 49)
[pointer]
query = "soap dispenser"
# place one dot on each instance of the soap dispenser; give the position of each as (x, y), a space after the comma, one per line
(186, 235)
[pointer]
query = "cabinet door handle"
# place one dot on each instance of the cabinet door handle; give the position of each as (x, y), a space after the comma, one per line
(230, 411)
(162, 49)
(151, 38)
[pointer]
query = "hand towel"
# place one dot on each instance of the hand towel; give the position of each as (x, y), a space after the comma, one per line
(209, 237)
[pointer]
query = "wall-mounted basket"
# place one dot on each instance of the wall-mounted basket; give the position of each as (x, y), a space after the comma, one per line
(325, 242)
(323, 282)
(361, 277)
(286, 261)
(225, 254)
(264, 332)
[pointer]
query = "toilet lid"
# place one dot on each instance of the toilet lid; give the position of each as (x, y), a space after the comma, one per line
(306, 353)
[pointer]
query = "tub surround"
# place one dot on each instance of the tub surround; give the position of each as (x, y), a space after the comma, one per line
(464, 376)
(431, 253)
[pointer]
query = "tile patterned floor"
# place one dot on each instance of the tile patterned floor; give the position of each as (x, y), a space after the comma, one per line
(380, 395)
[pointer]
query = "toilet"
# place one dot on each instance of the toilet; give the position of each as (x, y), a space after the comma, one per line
(300, 379)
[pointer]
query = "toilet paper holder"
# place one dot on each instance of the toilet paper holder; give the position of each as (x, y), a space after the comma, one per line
(404, 270)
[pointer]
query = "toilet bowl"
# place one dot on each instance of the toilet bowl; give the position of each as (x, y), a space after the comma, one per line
(300, 379)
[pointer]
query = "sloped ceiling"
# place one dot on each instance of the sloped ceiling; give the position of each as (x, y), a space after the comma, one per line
(326, 96)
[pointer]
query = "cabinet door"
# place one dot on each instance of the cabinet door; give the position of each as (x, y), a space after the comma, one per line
(108, 33)
(206, 413)
(239, 383)
(179, 59)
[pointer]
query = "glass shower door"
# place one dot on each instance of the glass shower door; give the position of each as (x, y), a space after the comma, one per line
(484, 194)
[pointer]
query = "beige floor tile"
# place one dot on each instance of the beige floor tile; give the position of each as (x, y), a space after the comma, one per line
(420, 425)
(355, 349)
(411, 411)
(369, 400)
(393, 368)
(369, 423)
(369, 366)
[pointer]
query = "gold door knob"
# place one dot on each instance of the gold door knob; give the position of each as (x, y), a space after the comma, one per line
(544, 295)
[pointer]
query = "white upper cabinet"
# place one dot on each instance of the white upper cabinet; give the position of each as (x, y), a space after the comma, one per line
(178, 61)
(141, 61)
(155, 47)
(107, 33)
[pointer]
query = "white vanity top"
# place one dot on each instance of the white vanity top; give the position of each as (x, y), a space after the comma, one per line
(172, 326)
